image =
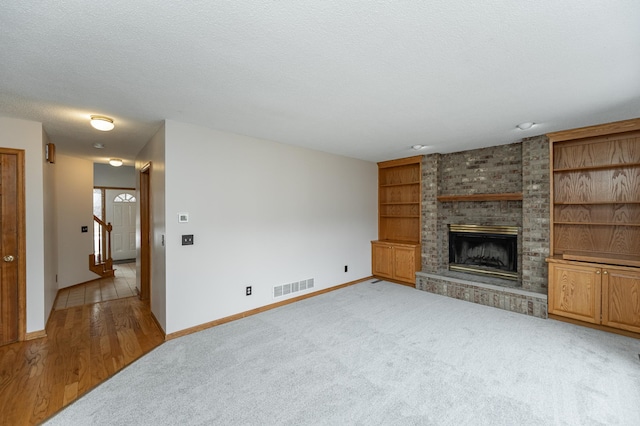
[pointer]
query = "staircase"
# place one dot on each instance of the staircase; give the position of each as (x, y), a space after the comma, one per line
(101, 262)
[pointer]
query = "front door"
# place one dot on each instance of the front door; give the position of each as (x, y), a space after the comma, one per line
(120, 210)
(10, 166)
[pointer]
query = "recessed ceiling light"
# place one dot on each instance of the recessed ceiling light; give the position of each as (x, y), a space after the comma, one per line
(102, 123)
(525, 126)
(418, 147)
(98, 145)
(115, 162)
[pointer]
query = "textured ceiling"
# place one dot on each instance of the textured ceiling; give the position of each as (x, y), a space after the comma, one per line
(365, 79)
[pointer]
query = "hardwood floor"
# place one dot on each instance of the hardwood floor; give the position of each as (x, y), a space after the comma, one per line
(85, 345)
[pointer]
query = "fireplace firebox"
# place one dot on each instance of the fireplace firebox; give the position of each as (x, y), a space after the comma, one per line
(486, 250)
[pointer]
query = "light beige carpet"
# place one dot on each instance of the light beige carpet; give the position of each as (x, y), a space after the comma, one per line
(377, 354)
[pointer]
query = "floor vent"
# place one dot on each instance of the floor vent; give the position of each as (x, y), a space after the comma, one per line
(286, 289)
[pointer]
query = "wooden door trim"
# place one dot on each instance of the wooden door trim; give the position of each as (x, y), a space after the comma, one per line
(22, 247)
(145, 228)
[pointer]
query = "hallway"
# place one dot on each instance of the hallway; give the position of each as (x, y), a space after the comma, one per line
(118, 287)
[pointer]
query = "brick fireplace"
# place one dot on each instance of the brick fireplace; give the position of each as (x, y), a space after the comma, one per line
(519, 168)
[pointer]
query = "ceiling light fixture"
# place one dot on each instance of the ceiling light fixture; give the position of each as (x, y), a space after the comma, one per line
(525, 126)
(98, 145)
(115, 162)
(417, 147)
(102, 123)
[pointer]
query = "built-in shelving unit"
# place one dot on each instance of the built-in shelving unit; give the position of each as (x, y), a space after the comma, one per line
(596, 195)
(396, 253)
(399, 200)
(595, 225)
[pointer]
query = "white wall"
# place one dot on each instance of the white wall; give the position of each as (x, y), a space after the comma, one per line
(50, 236)
(74, 198)
(114, 177)
(154, 152)
(28, 136)
(263, 214)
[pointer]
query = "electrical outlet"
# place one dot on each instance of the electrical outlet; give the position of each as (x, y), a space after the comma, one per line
(346, 268)
(248, 290)
(187, 240)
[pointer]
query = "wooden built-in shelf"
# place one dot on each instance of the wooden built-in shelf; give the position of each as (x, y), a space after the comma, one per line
(596, 167)
(596, 223)
(507, 196)
(594, 267)
(604, 258)
(396, 255)
(589, 203)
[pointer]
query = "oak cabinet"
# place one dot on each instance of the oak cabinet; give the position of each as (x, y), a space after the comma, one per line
(382, 259)
(576, 291)
(395, 261)
(597, 294)
(621, 299)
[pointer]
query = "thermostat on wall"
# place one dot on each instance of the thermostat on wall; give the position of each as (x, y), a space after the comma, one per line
(183, 217)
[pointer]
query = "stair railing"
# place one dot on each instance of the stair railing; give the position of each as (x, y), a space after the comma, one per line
(100, 261)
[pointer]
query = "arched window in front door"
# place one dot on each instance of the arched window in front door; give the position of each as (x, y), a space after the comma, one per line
(124, 198)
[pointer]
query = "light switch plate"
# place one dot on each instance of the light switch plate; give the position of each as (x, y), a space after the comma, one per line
(183, 217)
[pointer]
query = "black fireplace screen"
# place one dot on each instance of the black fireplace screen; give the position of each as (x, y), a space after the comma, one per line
(488, 250)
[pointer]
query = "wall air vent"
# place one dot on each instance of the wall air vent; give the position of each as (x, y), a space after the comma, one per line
(294, 287)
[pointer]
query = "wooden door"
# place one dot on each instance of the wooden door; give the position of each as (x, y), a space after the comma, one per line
(575, 291)
(381, 260)
(10, 171)
(404, 264)
(621, 299)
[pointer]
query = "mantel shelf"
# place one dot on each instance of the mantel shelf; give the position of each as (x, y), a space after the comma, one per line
(507, 196)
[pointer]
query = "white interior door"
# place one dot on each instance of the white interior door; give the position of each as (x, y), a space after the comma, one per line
(120, 210)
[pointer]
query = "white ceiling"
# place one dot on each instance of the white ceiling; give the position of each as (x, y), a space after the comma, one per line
(365, 79)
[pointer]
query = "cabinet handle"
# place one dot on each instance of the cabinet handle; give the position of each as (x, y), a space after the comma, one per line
(606, 272)
(598, 272)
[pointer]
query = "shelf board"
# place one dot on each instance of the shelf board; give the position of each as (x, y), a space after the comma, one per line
(588, 203)
(595, 223)
(599, 167)
(607, 258)
(389, 185)
(508, 196)
(400, 216)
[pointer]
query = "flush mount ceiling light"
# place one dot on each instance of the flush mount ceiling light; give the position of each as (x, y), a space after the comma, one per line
(115, 162)
(525, 126)
(417, 147)
(102, 123)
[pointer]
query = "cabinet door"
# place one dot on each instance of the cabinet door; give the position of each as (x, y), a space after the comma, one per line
(621, 299)
(404, 264)
(381, 260)
(574, 292)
